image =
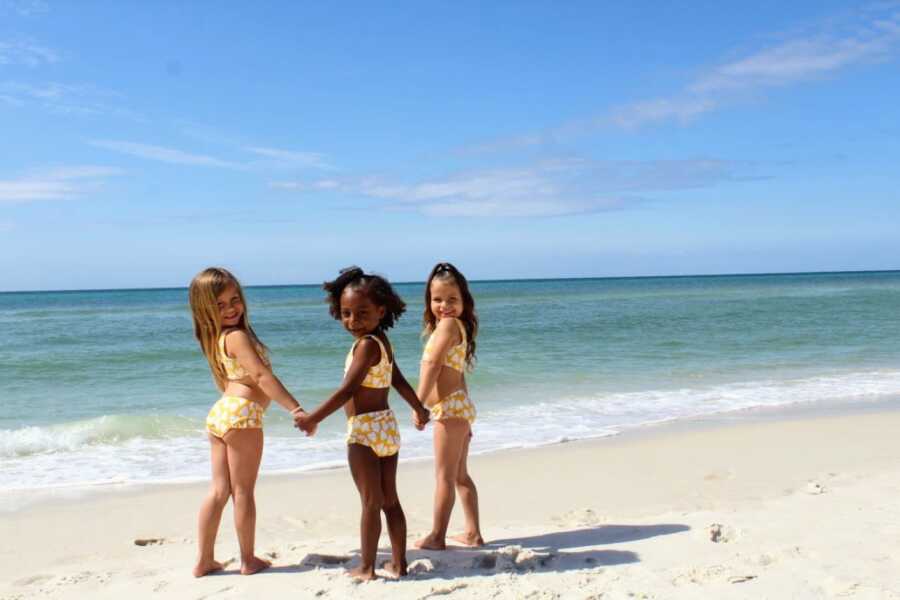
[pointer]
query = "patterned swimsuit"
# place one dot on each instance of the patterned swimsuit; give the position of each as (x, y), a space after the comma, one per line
(378, 430)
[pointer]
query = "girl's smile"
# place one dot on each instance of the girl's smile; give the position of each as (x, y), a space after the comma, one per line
(359, 315)
(446, 299)
(231, 309)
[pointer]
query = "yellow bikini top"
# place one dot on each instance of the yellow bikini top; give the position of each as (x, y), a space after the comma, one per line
(233, 369)
(456, 355)
(378, 376)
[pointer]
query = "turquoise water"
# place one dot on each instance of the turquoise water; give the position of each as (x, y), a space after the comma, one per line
(110, 386)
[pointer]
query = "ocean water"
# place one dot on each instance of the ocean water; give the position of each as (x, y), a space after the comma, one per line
(104, 387)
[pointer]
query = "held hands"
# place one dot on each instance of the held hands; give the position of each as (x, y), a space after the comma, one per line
(421, 417)
(304, 422)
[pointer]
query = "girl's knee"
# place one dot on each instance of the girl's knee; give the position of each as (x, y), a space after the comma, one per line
(463, 481)
(220, 495)
(372, 502)
(391, 502)
(448, 474)
(242, 493)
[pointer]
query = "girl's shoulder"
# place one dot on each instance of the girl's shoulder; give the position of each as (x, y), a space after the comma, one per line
(236, 337)
(446, 333)
(383, 342)
(234, 334)
(454, 328)
(226, 336)
(370, 346)
(447, 325)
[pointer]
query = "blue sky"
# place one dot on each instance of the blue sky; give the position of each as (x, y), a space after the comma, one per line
(143, 141)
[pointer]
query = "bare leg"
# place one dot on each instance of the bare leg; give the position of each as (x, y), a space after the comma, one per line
(365, 467)
(211, 509)
(468, 497)
(449, 435)
(245, 448)
(393, 513)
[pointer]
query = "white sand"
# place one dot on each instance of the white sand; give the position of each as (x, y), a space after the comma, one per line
(803, 507)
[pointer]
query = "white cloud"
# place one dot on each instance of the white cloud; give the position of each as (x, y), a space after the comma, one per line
(166, 155)
(302, 186)
(82, 172)
(11, 101)
(662, 109)
(289, 158)
(66, 99)
(24, 8)
(55, 183)
(26, 52)
(550, 188)
(869, 35)
(874, 36)
(26, 190)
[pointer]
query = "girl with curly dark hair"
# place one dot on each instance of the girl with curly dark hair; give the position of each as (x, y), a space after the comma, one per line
(368, 306)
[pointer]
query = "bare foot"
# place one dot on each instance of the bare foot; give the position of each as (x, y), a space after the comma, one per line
(395, 572)
(205, 568)
(431, 542)
(362, 573)
(468, 539)
(254, 565)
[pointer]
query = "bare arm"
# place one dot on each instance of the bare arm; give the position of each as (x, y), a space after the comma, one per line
(367, 354)
(261, 373)
(404, 389)
(441, 341)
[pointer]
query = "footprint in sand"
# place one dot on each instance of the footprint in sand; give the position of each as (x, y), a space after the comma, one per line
(723, 475)
(144, 573)
(765, 560)
(721, 534)
(302, 523)
(444, 591)
(815, 488)
(149, 541)
(80, 578)
(324, 560)
(32, 580)
(700, 575)
(582, 517)
(216, 593)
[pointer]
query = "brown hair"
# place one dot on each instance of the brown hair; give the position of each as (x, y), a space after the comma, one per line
(447, 272)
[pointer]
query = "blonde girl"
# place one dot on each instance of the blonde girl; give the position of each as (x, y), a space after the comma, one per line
(241, 370)
(452, 324)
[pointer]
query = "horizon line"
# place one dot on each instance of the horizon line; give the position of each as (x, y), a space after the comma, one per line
(501, 280)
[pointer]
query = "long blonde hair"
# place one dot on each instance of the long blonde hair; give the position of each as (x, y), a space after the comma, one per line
(203, 293)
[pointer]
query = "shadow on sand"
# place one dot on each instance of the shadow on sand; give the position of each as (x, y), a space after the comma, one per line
(558, 551)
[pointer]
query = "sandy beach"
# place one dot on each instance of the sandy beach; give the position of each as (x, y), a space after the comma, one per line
(800, 505)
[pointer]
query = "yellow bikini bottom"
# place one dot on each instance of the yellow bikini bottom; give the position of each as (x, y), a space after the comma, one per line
(456, 405)
(378, 430)
(234, 412)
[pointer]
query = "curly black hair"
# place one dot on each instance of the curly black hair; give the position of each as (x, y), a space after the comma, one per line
(377, 288)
